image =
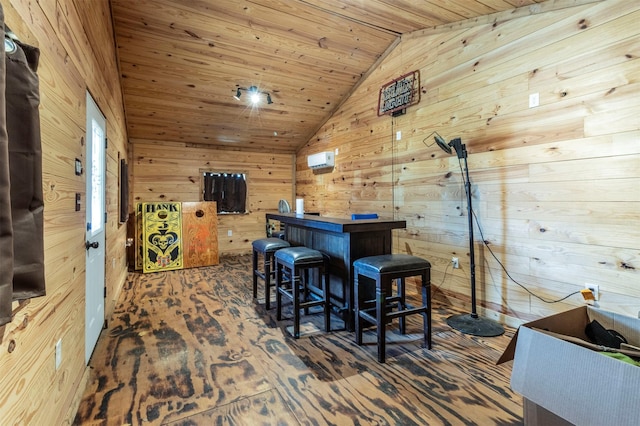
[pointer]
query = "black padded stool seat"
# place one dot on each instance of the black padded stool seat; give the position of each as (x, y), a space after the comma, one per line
(298, 261)
(383, 269)
(265, 247)
(300, 255)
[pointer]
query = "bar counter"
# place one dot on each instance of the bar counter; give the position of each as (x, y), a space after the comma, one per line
(345, 241)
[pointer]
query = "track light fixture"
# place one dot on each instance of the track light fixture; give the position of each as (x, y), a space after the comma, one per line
(254, 94)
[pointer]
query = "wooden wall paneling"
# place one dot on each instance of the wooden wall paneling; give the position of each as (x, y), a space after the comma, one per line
(480, 75)
(554, 187)
(555, 30)
(37, 337)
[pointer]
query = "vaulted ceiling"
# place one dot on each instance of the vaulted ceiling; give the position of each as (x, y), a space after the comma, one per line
(182, 62)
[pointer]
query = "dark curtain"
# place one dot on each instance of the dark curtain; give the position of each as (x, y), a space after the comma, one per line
(213, 183)
(124, 191)
(229, 191)
(6, 230)
(218, 190)
(21, 101)
(240, 194)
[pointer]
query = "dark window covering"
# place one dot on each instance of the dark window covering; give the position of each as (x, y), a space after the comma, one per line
(228, 190)
(124, 191)
(21, 272)
(6, 230)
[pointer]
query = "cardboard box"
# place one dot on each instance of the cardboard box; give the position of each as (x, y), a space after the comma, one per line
(576, 383)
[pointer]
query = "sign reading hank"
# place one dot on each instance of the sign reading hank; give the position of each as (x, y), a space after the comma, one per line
(399, 93)
(162, 229)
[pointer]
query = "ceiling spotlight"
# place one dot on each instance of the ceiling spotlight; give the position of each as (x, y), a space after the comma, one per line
(254, 95)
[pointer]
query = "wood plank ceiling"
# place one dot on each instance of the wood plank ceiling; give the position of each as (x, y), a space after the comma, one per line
(182, 61)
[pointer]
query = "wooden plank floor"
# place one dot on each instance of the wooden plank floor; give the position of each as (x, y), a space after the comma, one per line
(192, 347)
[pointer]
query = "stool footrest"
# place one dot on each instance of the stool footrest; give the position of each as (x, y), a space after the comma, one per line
(409, 310)
(388, 300)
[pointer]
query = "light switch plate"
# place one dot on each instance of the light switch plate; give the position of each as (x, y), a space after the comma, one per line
(534, 100)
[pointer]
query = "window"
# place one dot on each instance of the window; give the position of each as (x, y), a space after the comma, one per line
(229, 190)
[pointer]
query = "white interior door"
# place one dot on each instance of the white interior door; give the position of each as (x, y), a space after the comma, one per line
(95, 254)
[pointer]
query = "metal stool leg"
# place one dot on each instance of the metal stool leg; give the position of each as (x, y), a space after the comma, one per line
(402, 305)
(426, 301)
(268, 259)
(327, 301)
(255, 273)
(381, 317)
(296, 281)
(278, 294)
(357, 319)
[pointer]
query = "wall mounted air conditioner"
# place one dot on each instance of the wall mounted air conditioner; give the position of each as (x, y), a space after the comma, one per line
(321, 160)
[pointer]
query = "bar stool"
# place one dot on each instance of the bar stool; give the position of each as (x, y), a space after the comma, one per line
(383, 269)
(299, 262)
(265, 247)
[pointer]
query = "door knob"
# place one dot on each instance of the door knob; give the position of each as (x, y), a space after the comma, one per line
(89, 245)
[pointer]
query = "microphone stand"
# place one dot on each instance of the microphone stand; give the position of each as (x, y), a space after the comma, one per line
(471, 323)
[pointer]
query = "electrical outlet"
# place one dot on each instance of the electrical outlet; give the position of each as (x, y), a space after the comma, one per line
(58, 353)
(229, 233)
(455, 263)
(595, 289)
(534, 100)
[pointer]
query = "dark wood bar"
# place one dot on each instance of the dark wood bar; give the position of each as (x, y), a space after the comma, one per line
(345, 241)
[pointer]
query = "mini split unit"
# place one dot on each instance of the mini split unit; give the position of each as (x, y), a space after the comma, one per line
(321, 160)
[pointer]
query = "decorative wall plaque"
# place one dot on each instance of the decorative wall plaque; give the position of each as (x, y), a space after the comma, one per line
(399, 93)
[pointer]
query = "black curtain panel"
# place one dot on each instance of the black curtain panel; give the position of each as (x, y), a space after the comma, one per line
(228, 190)
(208, 187)
(20, 101)
(213, 188)
(6, 230)
(124, 191)
(218, 191)
(240, 194)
